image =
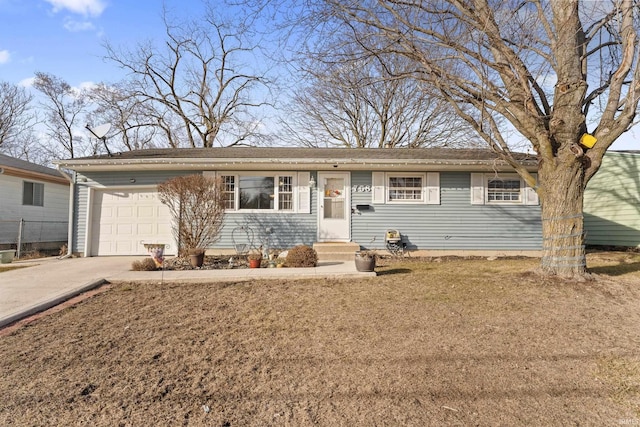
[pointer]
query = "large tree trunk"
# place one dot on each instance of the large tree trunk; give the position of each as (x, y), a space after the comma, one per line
(563, 250)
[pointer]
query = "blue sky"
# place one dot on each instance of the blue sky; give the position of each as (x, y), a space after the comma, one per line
(65, 38)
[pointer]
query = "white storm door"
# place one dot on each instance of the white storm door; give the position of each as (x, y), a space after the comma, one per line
(334, 207)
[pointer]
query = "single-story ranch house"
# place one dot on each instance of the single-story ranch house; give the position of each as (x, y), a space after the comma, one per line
(442, 201)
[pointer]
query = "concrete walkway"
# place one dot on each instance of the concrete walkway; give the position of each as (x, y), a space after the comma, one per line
(44, 283)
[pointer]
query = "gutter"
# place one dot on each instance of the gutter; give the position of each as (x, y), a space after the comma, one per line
(72, 187)
(289, 164)
(22, 173)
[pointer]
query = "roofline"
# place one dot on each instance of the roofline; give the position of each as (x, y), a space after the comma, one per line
(22, 173)
(99, 165)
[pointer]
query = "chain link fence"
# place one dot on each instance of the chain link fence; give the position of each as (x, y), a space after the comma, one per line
(33, 236)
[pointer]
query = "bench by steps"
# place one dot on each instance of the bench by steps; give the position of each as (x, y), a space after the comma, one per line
(336, 251)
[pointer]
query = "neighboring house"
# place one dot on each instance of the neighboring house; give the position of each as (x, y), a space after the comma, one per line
(441, 200)
(612, 201)
(34, 205)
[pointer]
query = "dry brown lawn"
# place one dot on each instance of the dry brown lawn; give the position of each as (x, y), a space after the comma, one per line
(456, 342)
(9, 267)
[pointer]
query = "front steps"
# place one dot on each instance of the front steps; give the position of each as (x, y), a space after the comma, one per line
(336, 251)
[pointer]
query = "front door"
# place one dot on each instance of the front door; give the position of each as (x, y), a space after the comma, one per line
(334, 201)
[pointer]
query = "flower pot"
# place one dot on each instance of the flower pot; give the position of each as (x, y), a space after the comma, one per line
(196, 260)
(365, 263)
(254, 263)
(6, 257)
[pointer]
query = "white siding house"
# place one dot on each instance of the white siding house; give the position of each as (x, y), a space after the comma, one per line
(34, 205)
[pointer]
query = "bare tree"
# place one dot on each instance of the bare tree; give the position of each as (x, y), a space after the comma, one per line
(133, 122)
(199, 81)
(552, 70)
(64, 108)
(363, 103)
(16, 118)
(197, 206)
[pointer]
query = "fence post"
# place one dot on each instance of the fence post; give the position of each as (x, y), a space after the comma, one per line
(19, 248)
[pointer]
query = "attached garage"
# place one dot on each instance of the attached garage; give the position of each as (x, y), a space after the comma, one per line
(123, 220)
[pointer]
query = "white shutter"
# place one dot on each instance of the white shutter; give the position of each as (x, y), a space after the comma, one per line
(433, 188)
(477, 188)
(378, 187)
(530, 195)
(303, 192)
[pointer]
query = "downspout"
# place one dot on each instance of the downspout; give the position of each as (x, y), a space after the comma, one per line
(72, 188)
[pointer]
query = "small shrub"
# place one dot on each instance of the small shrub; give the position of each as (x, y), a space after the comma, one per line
(32, 254)
(147, 264)
(302, 256)
(366, 254)
(197, 204)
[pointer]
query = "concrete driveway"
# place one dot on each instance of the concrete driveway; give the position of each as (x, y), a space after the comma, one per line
(46, 282)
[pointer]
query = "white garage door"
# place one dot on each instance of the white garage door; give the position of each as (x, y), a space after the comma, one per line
(123, 220)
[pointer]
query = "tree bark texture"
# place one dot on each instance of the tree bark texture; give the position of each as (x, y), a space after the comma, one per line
(563, 249)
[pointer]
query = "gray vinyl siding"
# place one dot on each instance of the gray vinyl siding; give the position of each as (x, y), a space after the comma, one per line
(273, 230)
(454, 224)
(612, 202)
(123, 179)
(79, 218)
(287, 229)
(268, 230)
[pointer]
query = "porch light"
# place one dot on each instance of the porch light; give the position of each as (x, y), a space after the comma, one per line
(312, 182)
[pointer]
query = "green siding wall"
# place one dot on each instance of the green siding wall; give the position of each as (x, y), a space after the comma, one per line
(612, 202)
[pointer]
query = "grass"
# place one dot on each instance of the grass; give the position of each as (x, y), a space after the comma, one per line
(455, 342)
(4, 268)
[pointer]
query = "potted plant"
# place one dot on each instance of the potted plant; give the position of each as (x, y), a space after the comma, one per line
(255, 259)
(365, 260)
(196, 257)
(7, 256)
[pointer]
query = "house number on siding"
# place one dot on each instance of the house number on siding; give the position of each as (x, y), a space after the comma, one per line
(361, 189)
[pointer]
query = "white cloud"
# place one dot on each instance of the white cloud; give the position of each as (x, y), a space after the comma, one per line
(5, 56)
(27, 82)
(86, 85)
(77, 26)
(82, 7)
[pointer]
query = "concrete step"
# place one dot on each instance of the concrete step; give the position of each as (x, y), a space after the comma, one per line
(336, 251)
